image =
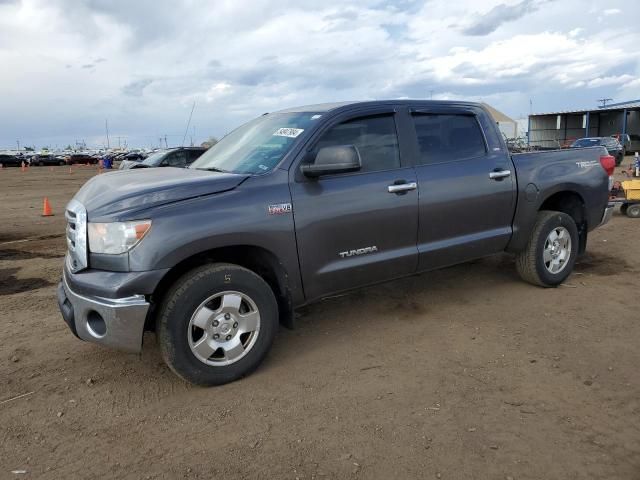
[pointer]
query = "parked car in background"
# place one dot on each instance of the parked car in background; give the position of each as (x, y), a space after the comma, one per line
(612, 145)
(47, 159)
(81, 158)
(173, 157)
(625, 141)
(7, 160)
(130, 159)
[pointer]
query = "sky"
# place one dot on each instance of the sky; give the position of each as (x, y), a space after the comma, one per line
(67, 66)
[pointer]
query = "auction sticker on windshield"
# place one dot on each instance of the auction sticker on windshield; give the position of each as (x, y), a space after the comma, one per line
(288, 132)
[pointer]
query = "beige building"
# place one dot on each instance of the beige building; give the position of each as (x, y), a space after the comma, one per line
(508, 126)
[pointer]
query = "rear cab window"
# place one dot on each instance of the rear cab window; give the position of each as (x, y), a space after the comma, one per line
(448, 137)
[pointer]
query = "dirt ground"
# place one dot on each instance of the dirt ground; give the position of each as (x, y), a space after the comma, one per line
(462, 373)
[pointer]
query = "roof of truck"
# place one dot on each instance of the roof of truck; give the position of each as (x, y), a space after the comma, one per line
(326, 107)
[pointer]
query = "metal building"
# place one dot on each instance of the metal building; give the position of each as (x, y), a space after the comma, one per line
(560, 129)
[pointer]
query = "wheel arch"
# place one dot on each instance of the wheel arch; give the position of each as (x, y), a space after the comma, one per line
(571, 203)
(257, 259)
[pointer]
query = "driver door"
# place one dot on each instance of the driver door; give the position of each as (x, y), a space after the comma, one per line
(352, 229)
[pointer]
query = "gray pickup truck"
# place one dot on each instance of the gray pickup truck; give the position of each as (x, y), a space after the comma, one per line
(307, 202)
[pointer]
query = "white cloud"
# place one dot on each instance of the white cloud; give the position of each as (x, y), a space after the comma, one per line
(612, 11)
(146, 64)
(612, 80)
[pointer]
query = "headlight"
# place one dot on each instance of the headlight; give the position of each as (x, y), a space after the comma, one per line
(116, 237)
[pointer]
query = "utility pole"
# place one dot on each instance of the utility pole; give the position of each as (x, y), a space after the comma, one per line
(604, 101)
(18, 142)
(106, 126)
(165, 141)
(188, 123)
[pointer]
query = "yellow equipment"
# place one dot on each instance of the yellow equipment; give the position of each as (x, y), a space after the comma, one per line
(631, 189)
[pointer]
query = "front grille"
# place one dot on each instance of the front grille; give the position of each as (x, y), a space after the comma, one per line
(76, 216)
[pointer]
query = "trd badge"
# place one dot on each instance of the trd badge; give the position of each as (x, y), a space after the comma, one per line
(280, 209)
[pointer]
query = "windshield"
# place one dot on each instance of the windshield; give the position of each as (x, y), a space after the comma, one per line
(258, 146)
(587, 142)
(154, 159)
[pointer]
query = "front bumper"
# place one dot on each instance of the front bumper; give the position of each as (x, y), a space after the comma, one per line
(113, 322)
(608, 212)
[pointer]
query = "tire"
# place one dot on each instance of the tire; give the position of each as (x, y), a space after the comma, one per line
(185, 346)
(633, 211)
(41, 164)
(623, 208)
(619, 160)
(61, 163)
(538, 262)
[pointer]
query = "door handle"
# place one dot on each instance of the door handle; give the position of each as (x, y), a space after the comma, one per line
(403, 187)
(499, 174)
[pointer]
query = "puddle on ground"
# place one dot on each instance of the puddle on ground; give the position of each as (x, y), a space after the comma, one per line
(10, 284)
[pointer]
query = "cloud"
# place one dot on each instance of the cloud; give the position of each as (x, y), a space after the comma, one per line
(136, 88)
(612, 11)
(612, 80)
(218, 90)
(498, 15)
(237, 62)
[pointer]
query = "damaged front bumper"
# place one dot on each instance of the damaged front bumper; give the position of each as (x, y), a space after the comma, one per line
(113, 322)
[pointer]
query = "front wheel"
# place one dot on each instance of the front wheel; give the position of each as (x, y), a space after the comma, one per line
(551, 252)
(216, 324)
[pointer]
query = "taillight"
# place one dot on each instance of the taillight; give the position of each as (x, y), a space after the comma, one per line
(608, 163)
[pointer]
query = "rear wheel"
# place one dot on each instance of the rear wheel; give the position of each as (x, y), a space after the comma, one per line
(551, 252)
(217, 324)
(633, 211)
(623, 208)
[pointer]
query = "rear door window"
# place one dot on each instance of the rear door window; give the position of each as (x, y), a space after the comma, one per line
(448, 137)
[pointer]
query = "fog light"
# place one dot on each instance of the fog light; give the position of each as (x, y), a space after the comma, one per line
(95, 324)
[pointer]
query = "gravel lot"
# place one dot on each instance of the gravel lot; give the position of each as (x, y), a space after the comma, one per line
(462, 373)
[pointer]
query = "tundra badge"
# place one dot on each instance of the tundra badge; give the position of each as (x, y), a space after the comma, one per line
(359, 251)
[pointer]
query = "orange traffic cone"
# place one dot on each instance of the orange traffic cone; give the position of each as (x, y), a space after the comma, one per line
(46, 208)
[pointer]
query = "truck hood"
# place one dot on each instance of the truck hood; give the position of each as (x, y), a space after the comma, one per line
(128, 191)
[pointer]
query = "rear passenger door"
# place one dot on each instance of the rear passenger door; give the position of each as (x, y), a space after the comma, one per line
(357, 228)
(466, 186)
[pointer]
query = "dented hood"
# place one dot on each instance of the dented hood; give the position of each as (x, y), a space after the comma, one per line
(127, 191)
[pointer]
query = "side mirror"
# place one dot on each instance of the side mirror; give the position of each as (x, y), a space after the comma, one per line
(332, 160)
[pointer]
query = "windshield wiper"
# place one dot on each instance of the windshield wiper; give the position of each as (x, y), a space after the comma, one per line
(213, 169)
